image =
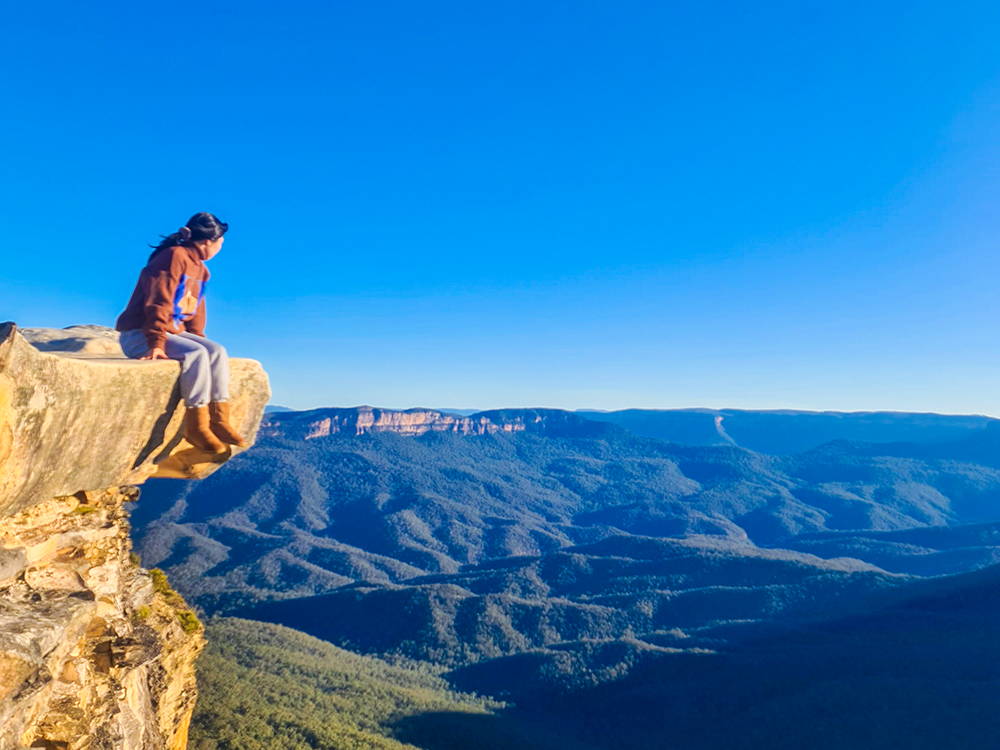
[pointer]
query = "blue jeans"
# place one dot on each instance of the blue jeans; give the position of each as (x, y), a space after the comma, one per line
(204, 364)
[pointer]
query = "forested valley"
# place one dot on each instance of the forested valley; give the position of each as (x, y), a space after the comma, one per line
(593, 587)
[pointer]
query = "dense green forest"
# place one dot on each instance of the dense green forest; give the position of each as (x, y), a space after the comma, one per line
(267, 687)
(919, 673)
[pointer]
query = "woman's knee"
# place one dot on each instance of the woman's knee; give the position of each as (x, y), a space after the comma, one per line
(196, 356)
(215, 351)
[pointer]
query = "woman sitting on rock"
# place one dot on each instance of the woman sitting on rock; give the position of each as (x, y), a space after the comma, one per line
(165, 319)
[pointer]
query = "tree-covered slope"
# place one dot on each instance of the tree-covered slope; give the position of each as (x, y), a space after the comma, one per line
(914, 668)
(265, 687)
(917, 670)
(642, 589)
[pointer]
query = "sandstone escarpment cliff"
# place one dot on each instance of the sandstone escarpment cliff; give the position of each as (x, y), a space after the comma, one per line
(366, 420)
(362, 420)
(95, 652)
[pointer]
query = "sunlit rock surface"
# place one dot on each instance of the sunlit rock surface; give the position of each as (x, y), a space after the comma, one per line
(364, 420)
(361, 420)
(90, 655)
(94, 651)
(78, 415)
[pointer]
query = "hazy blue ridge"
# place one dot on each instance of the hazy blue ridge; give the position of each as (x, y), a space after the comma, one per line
(789, 432)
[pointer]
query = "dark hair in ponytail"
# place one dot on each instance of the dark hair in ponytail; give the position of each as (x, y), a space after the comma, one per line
(200, 227)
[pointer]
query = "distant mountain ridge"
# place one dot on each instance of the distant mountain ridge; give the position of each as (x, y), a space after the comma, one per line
(361, 420)
(782, 432)
(785, 432)
(364, 420)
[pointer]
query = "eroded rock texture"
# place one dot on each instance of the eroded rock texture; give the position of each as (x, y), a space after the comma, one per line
(95, 652)
(90, 655)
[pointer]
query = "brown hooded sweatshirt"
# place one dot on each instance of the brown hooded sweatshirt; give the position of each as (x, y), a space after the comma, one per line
(169, 296)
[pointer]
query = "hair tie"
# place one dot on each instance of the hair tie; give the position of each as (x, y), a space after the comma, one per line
(185, 233)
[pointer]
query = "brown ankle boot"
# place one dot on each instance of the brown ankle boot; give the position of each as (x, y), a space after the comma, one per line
(197, 432)
(218, 413)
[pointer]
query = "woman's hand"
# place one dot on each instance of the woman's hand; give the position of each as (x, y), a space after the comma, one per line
(155, 353)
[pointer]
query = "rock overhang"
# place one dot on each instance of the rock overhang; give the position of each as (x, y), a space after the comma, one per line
(76, 415)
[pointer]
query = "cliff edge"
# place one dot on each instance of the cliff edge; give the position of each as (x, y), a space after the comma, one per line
(95, 652)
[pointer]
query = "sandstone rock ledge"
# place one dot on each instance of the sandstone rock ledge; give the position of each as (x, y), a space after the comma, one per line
(95, 653)
(80, 416)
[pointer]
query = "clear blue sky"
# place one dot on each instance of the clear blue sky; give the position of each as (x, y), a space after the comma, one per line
(571, 204)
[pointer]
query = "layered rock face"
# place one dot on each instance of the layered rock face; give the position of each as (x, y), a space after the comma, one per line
(363, 420)
(95, 652)
(90, 654)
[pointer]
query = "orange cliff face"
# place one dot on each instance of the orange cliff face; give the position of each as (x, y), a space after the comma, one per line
(365, 419)
(93, 648)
